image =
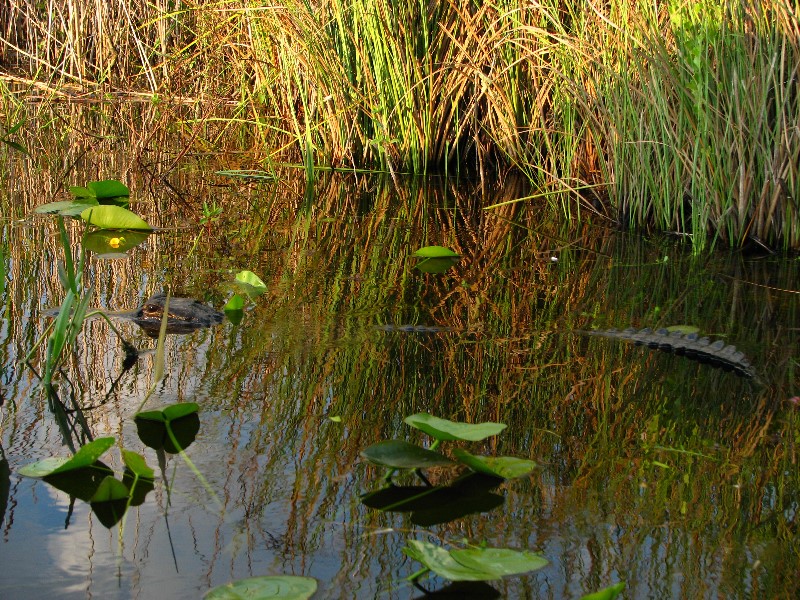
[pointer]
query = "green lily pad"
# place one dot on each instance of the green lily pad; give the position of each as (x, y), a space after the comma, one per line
(399, 454)
(154, 426)
(442, 429)
(435, 252)
(473, 564)
(109, 216)
(110, 489)
(137, 464)
(104, 243)
(66, 208)
(86, 456)
(435, 265)
(285, 587)
(608, 593)
(236, 303)
(506, 467)
(250, 283)
(108, 188)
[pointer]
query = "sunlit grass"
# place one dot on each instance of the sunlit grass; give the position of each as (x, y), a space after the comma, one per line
(676, 116)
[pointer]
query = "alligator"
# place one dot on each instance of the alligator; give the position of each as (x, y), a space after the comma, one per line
(701, 349)
(185, 315)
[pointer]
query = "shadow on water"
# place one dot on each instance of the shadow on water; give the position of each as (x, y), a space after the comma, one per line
(675, 477)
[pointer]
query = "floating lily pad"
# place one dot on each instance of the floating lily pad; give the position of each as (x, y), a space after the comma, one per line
(154, 427)
(137, 464)
(435, 252)
(110, 501)
(506, 467)
(250, 283)
(110, 489)
(473, 564)
(442, 429)
(435, 265)
(66, 208)
(284, 587)
(86, 456)
(109, 216)
(399, 454)
(105, 243)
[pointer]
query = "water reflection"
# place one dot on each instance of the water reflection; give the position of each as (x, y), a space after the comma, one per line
(672, 476)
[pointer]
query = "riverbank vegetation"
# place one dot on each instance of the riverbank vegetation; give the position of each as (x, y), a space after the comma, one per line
(673, 115)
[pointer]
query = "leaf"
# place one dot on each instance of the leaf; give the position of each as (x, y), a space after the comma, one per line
(435, 252)
(108, 188)
(443, 429)
(473, 564)
(109, 490)
(506, 467)
(109, 216)
(286, 587)
(399, 454)
(66, 208)
(236, 303)
(154, 426)
(81, 192)
(435, 265)
(137, 464)
(84, 457)
(608, 593)
(250, 283)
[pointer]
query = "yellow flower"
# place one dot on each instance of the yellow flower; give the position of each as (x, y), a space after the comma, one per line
(115, 242)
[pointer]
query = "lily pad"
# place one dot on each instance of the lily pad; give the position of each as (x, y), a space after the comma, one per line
(137, 464)
(86, 456)
(109, 216)
(506, 467)
(399, 454)
(473, 564)
(250, 283)
(435, 252)
(435, 265)
(105, 243)
(110, 489)
(108, 188)
(66, 208)
(285, 587)
(154, 426)
(443, 429)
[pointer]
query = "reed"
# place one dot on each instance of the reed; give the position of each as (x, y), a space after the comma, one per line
(673, 116)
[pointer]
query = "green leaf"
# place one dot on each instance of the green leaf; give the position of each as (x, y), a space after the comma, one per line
(435, 252)
(108, 188)
(104, 242)
(608, 593)
(180, 409)
(435, 265)
(399, 454)
(250, 283)
(236, 303)
(109, 490)
(137, 464)
(66, 208)
(285, 587)
(81, 192)
(507, 467)
(442, 429)
(109, 216)
(154, 426)
(473, 564)
(84, 457)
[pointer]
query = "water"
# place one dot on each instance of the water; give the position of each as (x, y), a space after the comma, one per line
(672, 476)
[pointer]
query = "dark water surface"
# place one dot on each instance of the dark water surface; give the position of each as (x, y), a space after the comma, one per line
(675, 477)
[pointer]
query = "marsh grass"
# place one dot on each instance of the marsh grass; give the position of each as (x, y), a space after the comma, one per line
(682, 117)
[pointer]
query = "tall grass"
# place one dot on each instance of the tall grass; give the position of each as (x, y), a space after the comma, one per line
(682, 116)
